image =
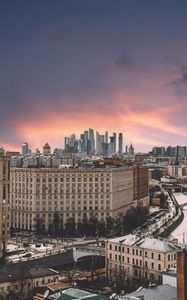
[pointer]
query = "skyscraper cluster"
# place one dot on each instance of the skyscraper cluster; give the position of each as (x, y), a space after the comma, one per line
(96, 143)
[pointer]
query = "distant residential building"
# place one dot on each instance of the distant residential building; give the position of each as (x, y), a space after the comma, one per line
(13, 153)
(46, 149)
(172, 170)
(76, 194)
(137, 260)
(156, 173)
(171, 151)
(181, 151)
(4, 201)
(159, 151)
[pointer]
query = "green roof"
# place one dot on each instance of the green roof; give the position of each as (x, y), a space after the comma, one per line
(72, 293)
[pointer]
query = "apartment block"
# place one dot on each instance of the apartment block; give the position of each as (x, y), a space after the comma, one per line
(138, 260)
(75, 194)
(4, 200)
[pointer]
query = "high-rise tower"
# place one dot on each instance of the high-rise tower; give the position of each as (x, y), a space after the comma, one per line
(114, 135)
(91, 139)
(120, 141)
(25, 149)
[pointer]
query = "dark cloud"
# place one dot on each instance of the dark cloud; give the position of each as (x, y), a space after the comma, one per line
(124, 62)
(181, 80)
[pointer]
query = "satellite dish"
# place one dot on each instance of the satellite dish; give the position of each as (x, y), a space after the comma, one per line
(46, 294)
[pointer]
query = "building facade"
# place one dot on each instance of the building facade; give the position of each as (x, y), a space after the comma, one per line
(4, 201)
(76, 194)
(25, 279)
(138, 260)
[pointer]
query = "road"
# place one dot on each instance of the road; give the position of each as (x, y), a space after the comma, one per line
(180, 232)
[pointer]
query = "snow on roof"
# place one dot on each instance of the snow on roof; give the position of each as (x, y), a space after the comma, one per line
(156, 244)
(129, 239)
(159, 292)
(144, 242)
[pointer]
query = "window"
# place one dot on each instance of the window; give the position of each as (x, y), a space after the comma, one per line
(110, 246)
(159, 267)
(159, 257)
(152, 265)
(152, 255)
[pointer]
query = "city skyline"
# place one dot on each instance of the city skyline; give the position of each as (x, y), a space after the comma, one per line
(104, 65)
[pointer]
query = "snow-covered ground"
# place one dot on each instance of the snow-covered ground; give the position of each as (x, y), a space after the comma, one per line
(39, 250)
(181, 231)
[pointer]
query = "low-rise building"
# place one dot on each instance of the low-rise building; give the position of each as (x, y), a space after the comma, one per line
(135, 260)
(76, 294)
(23, 279)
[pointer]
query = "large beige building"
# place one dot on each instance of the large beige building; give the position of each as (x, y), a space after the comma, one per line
(138, 260)
(4, 200)
(74, 193)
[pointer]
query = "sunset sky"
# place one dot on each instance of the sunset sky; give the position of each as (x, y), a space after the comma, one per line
(116, 65)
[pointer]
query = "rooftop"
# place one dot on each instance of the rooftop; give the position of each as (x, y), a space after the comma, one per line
(157, 292)
(144, 242)
(25, 273)
(72, 293)
(170, 272)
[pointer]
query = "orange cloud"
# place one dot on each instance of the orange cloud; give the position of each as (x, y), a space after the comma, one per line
(138, 126)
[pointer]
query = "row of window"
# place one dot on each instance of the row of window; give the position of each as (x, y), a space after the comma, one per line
(138, 252)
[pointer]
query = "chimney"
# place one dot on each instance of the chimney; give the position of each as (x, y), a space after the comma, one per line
(182, 275)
